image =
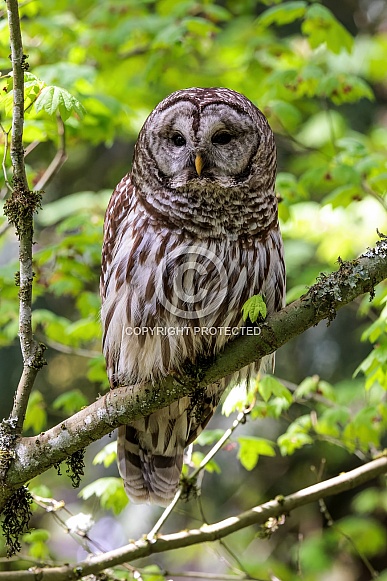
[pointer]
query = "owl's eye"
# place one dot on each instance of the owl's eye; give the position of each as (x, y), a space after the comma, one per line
(221, 138)
(178, 140)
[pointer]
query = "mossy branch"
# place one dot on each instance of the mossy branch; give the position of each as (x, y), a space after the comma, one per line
(34, 455)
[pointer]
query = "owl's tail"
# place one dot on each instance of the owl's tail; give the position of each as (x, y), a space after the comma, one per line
(150, 454)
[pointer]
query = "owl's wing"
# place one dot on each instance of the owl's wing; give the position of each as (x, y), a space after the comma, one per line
(120, 205)
(274, 284)
(273, 288)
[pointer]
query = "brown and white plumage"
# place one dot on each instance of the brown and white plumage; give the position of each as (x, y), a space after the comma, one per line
(189, 236)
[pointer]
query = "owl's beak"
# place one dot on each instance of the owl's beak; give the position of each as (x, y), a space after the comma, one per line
(198, 164)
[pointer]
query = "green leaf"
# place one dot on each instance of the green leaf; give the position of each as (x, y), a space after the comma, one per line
(110, 492)
(288, 114)
(168, 36)
(367, 535)
(296, 436)
(269, 386)
(211, 466)
(36, 535)
(320, 129)
(343, 196)
(200, 26)
(321, 27)
(54, 99)
(32, 88)
(36, 416)
(290, 442)
(236, 400)
(66, 74)
(370, 500)
(217, 13)
(73, 204)
(378, 327)
(332, 422)
(97, 371)
(40, 490)
(284, 14)
(286, 184)
(107, 455)
(314, 555)
(88, 329)
(208, 437)
(70, 401)
(254, 309)
(87, 303)
(344, 88)
(312, 385)
(37, 541)
(365, 429)
(151, 573)
(250, 448)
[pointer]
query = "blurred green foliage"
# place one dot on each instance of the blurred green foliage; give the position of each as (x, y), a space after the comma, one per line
(96, 69)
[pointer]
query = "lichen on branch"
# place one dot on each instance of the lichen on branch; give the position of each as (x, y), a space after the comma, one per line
(16, 517)
(20, 208)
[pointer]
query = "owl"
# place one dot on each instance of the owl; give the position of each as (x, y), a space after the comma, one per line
(189, 235)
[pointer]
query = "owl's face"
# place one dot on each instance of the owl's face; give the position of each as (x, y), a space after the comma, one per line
(211, 144)
(207, 155)
(201, 136)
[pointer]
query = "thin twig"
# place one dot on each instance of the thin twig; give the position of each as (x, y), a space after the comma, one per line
(313, 396)
(197, 575)
(153, 532)
(59, 159)
(88, 353)
(138, 51)
(17, 59)
(53, 507)
(367, 188)
(331, 523)
(4, 227)
(241, 418)
(222, 543)
(21, 5)
(4, 161)
(31, 146)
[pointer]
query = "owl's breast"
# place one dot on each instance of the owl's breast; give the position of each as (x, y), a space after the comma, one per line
(204, 208)
(176, 298)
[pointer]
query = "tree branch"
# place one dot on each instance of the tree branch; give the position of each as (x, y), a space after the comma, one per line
(34, 455)
(19, 209)
(258, 515)
(18, 66)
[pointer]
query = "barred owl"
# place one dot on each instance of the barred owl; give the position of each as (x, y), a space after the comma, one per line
(190, 234)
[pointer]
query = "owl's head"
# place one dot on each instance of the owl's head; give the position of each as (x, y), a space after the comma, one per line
(205, 160)
(200, 137)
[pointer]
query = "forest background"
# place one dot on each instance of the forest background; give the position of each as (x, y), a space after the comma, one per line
(318, 72)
